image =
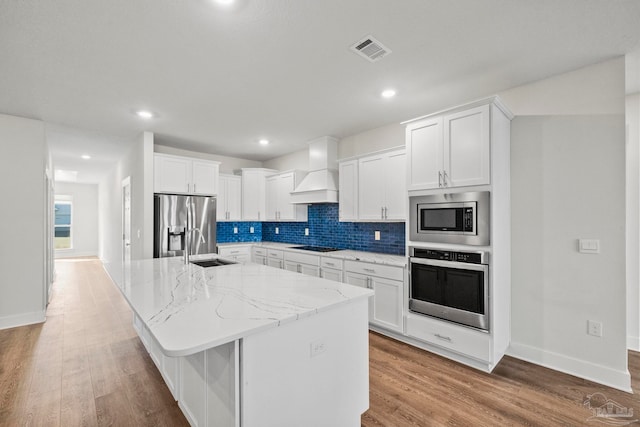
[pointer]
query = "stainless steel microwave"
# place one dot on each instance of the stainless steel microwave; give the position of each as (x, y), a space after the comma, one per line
(461, 218)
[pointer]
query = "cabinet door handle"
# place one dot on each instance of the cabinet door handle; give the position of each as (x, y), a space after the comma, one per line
(386, 213)
(444, 178)
(382, 212)
(439, 178)
(443, 337)
(299, 268)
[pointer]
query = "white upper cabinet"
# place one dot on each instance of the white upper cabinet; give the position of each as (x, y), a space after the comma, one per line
(176, 174)
(450, 150)
(382, 187)
(278, 197)
(229, 198)
(348, 194)
(204, 177)
(254, 193)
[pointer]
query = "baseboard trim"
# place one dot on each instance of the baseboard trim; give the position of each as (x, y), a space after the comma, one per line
(633, 343)
(23, 319)
(604, 375)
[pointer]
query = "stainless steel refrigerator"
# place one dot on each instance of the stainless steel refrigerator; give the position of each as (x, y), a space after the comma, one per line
(175, 216)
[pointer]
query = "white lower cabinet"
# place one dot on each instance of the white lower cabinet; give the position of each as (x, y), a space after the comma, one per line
(259, 255)
(275, 258)
(209, 386)
(331, 269)
(385, 308)
(238, 253)
(460, 339)
(168, 366)
(302, 263)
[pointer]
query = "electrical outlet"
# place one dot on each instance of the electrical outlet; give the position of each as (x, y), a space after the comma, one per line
(277, 230)
(318, 347)
(594, 328)
(306, 231)
(235, 230)
(251, 230)
(376, 235)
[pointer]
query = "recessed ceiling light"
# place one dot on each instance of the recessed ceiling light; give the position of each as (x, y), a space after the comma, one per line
(86, 156)
(144, 114)
(388, 93)
(264, 142)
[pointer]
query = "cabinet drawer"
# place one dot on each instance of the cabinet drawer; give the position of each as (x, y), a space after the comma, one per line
(386, 271)
(456, 338)
(302, 258)
(235, 250)
(275, 254)
(331, 263)
(260, 251)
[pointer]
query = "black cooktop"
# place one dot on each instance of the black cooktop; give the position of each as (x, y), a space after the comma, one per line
(315, 248)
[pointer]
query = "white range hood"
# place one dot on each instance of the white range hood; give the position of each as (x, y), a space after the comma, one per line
(321, 183)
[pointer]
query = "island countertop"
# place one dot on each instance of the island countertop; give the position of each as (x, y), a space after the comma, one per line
(188, 308)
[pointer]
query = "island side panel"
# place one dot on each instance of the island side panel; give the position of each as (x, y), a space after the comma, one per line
(311, 372)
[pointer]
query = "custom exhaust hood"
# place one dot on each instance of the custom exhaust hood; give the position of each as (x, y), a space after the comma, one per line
(321, 183)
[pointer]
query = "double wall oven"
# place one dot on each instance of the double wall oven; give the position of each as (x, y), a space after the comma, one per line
(450, 284)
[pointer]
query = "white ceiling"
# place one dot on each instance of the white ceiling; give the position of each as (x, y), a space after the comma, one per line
(220, 78)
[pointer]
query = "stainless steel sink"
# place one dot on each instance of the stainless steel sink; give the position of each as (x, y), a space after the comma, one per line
(216, 262)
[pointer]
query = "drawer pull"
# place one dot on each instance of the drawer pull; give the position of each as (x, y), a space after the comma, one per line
(330, 263)
(442, 337)
(369, 270)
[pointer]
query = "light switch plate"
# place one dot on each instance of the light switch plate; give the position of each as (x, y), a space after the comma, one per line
(589, 246)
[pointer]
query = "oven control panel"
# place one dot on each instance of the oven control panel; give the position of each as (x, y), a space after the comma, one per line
(455, 256)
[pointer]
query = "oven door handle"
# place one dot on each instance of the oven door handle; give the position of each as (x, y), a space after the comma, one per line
(449, 264)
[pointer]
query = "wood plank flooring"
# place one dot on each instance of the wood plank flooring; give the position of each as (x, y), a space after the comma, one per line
(86, 367)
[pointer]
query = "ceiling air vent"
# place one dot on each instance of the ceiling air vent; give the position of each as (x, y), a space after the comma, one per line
(371, 49)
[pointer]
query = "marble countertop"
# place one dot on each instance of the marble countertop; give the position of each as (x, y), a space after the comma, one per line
(188, 308)
(348, 254)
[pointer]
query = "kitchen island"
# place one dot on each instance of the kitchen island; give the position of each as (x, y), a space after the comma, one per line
(251, 345)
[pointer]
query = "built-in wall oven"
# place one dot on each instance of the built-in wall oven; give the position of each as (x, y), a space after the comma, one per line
(450, 285)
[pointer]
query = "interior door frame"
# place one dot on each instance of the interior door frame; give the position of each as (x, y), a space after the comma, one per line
(126, 183)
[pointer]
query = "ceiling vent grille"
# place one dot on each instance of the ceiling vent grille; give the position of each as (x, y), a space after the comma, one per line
(371, 49)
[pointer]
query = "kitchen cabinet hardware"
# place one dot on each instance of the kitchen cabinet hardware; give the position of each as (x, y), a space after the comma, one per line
(369, 270)
(443, 337)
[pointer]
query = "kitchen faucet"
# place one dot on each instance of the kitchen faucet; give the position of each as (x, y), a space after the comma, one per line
(187, 248)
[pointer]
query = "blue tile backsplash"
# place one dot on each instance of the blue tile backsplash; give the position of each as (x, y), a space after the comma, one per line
(324, 230)
(225, 232)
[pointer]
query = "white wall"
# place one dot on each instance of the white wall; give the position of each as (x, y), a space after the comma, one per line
(138, 164)
(85, 218)
(227, 164)
(372, 140)
(296, 160)
(23, 158)
(633, 220)
(568, 182)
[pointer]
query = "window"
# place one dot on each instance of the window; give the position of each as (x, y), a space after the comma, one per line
(63, 208)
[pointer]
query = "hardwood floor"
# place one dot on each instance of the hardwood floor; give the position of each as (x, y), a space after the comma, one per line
(86, 367)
